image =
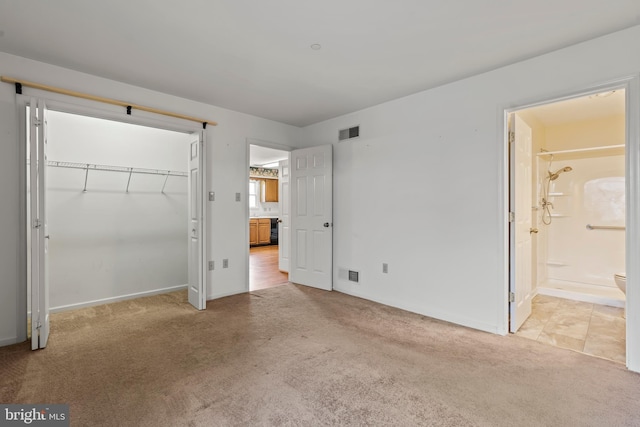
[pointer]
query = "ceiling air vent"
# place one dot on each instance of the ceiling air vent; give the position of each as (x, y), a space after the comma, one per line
(349, 133)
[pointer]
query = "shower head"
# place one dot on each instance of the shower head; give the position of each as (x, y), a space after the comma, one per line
(553, 176)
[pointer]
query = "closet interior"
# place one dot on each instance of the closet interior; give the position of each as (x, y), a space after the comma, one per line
(116, 201)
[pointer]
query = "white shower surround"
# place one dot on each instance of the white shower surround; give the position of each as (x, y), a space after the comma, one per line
(575, 262)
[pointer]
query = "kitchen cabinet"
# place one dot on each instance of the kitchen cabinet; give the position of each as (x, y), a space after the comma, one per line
(269, 191)
(259, 231)
(264, 231)
(253, 231)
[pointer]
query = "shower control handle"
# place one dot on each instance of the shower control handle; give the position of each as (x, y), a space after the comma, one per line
(533, 231)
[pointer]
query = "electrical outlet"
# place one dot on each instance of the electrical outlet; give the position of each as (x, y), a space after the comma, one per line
(211, 265)
(385, 267)
(225, 263)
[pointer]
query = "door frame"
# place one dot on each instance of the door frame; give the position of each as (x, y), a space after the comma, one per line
(631, 85)
(83, 107)
(247, 212)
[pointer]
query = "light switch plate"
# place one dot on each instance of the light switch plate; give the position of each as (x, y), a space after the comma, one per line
(212, 196)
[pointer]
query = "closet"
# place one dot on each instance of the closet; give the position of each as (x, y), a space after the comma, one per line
(117, 210)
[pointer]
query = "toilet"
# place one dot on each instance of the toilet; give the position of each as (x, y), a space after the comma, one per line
(621, 281)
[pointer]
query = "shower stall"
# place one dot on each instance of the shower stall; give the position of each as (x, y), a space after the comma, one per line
(580, 221)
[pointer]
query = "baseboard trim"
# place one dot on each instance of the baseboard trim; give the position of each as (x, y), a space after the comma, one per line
(116, 299)
(429, 311)
(579, 296)
(226, 294)
(8, 341)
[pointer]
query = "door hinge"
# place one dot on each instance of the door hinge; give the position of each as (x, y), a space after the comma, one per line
(512, 216)
(37, 122)
(512, 137)
(37, 223)
(512, 297)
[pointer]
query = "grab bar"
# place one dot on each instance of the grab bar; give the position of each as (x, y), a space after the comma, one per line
(605, 227)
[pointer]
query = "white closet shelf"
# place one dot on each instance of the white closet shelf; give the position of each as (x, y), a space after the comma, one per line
(107, 168)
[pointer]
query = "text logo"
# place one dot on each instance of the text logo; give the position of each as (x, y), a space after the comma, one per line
(34, 415)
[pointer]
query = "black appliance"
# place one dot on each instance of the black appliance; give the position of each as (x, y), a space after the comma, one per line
(274, 231)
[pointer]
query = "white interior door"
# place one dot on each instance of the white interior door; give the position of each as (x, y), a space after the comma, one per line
(311, 217)
(197, 252)
(39, 225)
(284, 224)
(521, 286)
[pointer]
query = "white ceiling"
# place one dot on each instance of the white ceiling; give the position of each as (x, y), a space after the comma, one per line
(259, 156)
(605, 104)
(255, 57)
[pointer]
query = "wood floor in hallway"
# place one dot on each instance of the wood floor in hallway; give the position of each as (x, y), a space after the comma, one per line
(263, 268)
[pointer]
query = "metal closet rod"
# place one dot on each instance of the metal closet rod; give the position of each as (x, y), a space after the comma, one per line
(128, 105)
(106, 168)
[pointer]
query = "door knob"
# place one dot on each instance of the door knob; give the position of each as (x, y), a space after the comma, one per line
(326, 224)
(279, 221)
(533, 231)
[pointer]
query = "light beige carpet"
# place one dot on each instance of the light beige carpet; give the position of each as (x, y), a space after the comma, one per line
(292, 355)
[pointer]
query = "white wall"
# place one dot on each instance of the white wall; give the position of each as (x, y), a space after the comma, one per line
(226, 157)
(431, 166)
(107, 243)
(265, 209)
(586, 133)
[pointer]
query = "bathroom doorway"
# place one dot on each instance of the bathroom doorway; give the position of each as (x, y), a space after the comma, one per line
(567, 234)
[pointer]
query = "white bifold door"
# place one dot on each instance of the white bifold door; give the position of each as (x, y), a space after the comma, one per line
(39, 245)
(197, 241)
(311, 184)
(521, 230)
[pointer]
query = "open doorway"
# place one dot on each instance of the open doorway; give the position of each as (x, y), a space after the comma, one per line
(117, 211)
(268, 204)
(567, 234)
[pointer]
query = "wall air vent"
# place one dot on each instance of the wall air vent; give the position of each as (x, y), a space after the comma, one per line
(353, 276)
(349, 133)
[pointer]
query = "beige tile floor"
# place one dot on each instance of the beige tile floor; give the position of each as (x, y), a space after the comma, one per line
(594, 329)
